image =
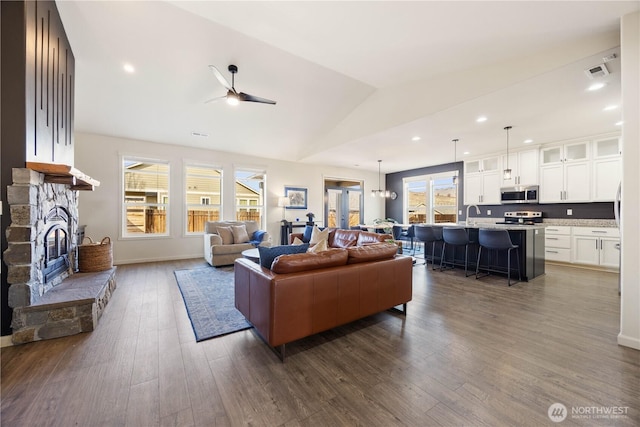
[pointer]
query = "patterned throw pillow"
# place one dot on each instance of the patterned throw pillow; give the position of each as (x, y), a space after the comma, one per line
(267, 255)
(297, 241)
(239, 233)
(226, 234)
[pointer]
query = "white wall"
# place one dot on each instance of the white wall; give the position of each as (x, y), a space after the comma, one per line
(630, 227)
(99, 157)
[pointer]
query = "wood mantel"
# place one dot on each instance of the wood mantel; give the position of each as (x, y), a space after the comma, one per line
(65, 174)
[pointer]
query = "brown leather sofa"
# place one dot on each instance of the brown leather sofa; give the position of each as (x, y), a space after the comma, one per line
(304, 294)
(339, 238)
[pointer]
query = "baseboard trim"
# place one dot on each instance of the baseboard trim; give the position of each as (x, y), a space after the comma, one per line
(628, 341)
(584, 266)
(5, 341)
(161, 259)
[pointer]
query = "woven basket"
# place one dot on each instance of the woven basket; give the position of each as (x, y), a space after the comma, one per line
(95, 256)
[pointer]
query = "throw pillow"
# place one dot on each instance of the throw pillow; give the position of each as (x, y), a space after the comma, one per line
(317, 235)
(239, 233)
(226, 234)
(297, 241)
(306, 236)
(267, 255)
(321, 246)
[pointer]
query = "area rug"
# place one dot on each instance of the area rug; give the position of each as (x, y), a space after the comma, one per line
(208, 294)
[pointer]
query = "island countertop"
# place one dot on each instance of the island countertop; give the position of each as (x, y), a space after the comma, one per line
(478, 225)
(529, 238)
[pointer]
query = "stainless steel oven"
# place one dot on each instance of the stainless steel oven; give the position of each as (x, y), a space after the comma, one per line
(519, 194)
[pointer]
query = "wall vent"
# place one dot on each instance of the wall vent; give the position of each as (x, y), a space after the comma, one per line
(597, 71)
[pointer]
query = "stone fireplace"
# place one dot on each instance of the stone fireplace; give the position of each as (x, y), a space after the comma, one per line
(42, 236)
(48, 297)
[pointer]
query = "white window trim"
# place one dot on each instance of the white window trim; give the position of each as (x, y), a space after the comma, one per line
(123, 206)
(185, 165)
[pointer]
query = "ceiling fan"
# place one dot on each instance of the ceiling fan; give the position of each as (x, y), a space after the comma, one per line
(233, 96)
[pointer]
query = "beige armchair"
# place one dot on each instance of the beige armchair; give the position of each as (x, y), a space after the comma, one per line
(224, 241)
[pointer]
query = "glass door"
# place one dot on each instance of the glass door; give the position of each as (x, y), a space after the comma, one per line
(343, 204)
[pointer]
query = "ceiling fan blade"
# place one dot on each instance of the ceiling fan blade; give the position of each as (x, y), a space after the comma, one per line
(208, 101)
(250, 98)
(220, 78)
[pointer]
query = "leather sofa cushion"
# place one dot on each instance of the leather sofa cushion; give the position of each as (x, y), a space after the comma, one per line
(344, 238)
(367, 237)
(333, 257)
(371, 252)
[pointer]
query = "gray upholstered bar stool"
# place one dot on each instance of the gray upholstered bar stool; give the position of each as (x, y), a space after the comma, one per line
(427, 234)
(497, 240)
(455, 236)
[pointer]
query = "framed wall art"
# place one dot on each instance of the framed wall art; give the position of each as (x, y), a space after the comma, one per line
(297, 197)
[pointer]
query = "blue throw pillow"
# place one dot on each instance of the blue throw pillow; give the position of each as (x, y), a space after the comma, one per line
(267, 255)
(306, 236)
(256, 239)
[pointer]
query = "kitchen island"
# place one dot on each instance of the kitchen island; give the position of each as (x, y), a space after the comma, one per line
(530, 239)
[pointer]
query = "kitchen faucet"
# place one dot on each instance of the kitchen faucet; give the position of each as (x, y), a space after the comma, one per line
(477, 212)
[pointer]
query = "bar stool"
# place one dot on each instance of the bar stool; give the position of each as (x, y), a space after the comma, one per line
(497, 240)
(455, 236)
(426, 235)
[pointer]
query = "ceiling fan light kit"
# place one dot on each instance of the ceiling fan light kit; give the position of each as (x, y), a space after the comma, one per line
(233, 96)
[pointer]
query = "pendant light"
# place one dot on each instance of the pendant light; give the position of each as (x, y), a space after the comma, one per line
(379, 192)
(507, 172)
(455, 144)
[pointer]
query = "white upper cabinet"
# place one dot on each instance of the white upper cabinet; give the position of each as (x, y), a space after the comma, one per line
(482, 181)
(565, 173)
(524, 168)
(606, 169)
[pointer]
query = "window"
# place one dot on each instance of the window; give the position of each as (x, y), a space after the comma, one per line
(145, 196)
(249, 188)
(203, 196)
(431, 199)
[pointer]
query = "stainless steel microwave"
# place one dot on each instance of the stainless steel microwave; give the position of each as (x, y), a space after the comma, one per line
(519, 194)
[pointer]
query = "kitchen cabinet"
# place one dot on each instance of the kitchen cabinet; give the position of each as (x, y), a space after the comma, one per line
(595, 246)
(557, 243)
(605, 169)
(482, 181)
(565, 173)
(524, 168)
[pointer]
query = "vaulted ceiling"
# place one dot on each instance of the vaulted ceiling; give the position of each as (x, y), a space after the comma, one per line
(354, 81)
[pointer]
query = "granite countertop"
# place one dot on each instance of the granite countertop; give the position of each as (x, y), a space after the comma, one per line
(486, 224)
(553, 221)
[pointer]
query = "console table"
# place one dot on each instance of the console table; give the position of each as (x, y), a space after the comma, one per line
(286, 228)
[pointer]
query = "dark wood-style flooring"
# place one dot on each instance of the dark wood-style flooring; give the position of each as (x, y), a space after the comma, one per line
(469, 353)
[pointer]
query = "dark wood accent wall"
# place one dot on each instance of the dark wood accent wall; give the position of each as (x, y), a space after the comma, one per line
(36, 110)
(50, 73)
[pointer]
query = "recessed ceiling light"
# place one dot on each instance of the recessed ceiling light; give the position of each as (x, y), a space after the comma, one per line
(610, 107)
(481, 119)
(596, 86)
(619, 123)
(416, 138)
(200, 134)
(528, 141)
(129, 68)
(466, 152)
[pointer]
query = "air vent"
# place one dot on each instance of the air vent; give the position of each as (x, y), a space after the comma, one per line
(597, 71)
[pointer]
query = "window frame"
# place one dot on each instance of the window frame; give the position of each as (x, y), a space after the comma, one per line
(124, 204)
(248, 207)
(186, 205)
